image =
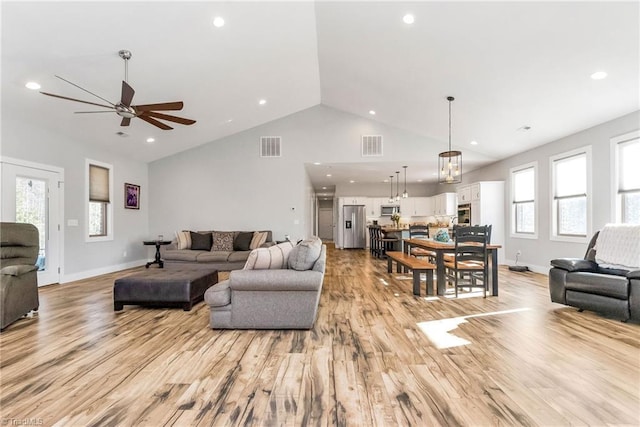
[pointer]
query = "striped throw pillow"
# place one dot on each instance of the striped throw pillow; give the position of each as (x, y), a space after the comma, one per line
(183, 239)
(272, 258)
(259, 237)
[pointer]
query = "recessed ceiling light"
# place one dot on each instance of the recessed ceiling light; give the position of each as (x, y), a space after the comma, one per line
(598, 75)
(408, 18)
(386, 180)
(218, 22)
(32, 86)
(373, 113)
(262, 101)
(150, 140)
(474, 142)
(229, 120)
(351, 182)
(328, 175)
(324, 188)
(317, 163)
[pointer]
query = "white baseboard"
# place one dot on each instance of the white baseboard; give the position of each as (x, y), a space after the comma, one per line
(102, 270)
(534, 268)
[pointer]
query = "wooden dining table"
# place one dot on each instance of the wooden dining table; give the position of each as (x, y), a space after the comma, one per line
(441, 248)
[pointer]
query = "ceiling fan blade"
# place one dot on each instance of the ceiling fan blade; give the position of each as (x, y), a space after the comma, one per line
(77, 100)
(162, 106)
(127, 94)
(168, 117)
(125, 121)
(81, 88)
(155, 122)
(91, 112)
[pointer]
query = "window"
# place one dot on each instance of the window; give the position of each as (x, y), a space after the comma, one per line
(523, 201)
(571, 185)
(627, 178)
(99, 198)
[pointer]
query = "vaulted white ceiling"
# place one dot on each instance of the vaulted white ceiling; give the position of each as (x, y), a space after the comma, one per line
(509, 65)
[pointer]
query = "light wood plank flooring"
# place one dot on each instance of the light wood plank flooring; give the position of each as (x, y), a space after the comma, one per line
(376, 356)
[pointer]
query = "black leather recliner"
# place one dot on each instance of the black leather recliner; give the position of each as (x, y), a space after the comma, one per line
(582, 283)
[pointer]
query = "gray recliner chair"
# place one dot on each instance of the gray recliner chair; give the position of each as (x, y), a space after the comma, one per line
(19, 246)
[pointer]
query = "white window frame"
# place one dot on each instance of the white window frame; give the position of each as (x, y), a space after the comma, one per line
(109, 210)
(554, 209)
(616, 200)
(512, 171)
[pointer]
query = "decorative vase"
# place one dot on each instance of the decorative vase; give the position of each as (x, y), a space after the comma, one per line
(396, 224)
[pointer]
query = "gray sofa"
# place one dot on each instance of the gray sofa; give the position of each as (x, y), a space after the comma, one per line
(219, 260)
(582, 283)
(18, 273)
(268, 299)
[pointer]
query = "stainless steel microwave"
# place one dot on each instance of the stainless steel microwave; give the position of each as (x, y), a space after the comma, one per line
(388, 210)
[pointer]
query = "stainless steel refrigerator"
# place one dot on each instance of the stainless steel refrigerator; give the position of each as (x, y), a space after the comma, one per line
(354, 226)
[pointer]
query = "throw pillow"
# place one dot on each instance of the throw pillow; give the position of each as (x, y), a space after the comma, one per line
(222, 241)
(183, 239)
(305, 254)
(200, 242)
(271, 258)
(259, 237)
(242, 242)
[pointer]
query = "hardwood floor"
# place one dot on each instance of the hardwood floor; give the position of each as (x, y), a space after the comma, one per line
(376, 356)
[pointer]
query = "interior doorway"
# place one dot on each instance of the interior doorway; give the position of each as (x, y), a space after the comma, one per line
(326, 221)
(32, 193)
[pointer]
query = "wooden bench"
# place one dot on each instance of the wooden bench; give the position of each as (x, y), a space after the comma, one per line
(416, 265)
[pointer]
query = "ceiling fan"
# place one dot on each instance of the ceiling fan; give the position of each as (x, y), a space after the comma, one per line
(148, 113)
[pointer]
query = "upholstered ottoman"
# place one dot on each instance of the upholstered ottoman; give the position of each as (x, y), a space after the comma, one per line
(164, 287)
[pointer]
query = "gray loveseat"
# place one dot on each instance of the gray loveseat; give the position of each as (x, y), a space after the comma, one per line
(283, 298)
(583, 283)
(225, 260)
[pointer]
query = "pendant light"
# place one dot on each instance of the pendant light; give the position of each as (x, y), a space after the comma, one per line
(397, 186)
(405, 194)
(391, 192)
(450, 162)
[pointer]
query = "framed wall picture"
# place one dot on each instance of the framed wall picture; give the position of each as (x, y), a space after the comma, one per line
(131, 196)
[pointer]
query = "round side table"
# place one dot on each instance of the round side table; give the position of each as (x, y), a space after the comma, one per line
(157, 244)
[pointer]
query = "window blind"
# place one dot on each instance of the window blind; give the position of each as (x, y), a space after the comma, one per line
(98, 184)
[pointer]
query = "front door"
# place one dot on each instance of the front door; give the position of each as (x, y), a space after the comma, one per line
(31, 193)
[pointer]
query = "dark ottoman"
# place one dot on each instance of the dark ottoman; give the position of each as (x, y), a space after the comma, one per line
(163, 287)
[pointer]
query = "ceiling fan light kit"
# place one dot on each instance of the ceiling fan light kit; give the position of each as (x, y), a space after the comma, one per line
(450, 162)
(148, 112)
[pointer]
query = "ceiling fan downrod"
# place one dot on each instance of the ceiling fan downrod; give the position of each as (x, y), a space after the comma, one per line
(126, 55)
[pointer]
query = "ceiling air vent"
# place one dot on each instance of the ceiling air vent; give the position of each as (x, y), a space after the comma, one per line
(270, 146)
(371, 145)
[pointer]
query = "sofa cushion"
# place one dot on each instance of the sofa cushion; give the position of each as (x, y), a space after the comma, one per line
(222, 240)
(181, 255)
(259, 237)
(242, 241)
(200, 241)
(183, 240)
(305, 254)
(218, 295)
(599, 284)
(213, 256)
(238, 256)
(273, 257)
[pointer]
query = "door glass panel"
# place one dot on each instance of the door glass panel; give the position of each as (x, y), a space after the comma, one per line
(31, 207)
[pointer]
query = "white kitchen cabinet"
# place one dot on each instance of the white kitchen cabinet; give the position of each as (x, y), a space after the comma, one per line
(415, 206)
(354, 200)
(475, 191)
(487, 208)
(445, 204)
(464, 194)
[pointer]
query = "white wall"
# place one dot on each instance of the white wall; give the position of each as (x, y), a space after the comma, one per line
(22, 140)
(225, 185)
(537, 253)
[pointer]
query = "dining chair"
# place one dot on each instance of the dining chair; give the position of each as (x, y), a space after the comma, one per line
(470, 264)
(419, 231)
(374, 240)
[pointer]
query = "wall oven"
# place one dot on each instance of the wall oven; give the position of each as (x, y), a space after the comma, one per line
(464, 214)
